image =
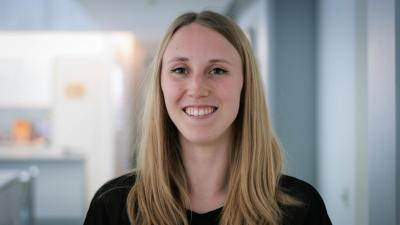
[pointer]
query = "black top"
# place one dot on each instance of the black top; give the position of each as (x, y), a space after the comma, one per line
(109, 205)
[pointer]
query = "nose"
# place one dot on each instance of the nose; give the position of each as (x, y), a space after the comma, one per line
(198, 86)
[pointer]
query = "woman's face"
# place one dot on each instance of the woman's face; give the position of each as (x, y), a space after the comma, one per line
(201, 79)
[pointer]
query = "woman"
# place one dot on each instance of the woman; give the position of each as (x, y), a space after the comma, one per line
(208, 154)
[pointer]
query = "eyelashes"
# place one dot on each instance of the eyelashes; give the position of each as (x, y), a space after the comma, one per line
(179, 70)
(216, 70)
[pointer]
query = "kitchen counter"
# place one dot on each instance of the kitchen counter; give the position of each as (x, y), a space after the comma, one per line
(37, 154)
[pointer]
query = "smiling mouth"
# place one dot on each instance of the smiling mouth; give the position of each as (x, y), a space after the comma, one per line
(199, 111)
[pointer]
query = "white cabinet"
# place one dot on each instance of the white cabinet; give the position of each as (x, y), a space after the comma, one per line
(84, 114)
(25, 83)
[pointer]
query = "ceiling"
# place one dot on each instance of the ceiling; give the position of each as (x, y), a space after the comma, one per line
(147, 19)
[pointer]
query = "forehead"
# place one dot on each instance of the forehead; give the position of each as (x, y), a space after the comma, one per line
(197, 41)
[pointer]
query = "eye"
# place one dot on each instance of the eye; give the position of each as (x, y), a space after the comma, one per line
(218, 71)
(179, 70)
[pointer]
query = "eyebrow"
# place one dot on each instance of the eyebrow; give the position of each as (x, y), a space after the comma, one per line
(178, 59)
(185, 59)
(219, 61)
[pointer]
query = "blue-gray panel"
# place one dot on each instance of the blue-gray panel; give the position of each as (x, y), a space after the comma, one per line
(294, 103)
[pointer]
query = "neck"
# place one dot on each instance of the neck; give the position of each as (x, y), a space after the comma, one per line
(207, 170)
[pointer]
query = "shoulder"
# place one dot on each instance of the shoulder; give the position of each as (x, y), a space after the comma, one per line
(109, 202)
(299, 189)
(116, 186)
(311, 208)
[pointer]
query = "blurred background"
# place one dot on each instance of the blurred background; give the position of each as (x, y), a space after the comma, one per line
(72, 75)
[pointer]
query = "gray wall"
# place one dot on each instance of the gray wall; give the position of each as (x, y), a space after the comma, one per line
(293, 106)
(397, 34)
(291, 78)
(382, 112)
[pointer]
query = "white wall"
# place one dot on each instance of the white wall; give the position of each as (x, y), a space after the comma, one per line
(342, 110)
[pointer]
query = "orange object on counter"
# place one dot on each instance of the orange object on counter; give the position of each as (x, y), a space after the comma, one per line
(21, 131)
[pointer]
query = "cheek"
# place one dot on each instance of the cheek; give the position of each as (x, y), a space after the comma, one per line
(171, 91)
(230, 91)
(234, 100)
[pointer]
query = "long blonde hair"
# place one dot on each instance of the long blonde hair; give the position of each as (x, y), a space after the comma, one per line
(159, 196)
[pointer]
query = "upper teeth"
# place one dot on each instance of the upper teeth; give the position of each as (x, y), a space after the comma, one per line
(193, 111)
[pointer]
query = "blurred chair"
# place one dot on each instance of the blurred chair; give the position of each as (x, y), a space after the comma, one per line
(27, 179)
(10, 190)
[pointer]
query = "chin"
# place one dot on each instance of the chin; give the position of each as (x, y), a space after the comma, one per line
(203, 137)
(199, 139)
